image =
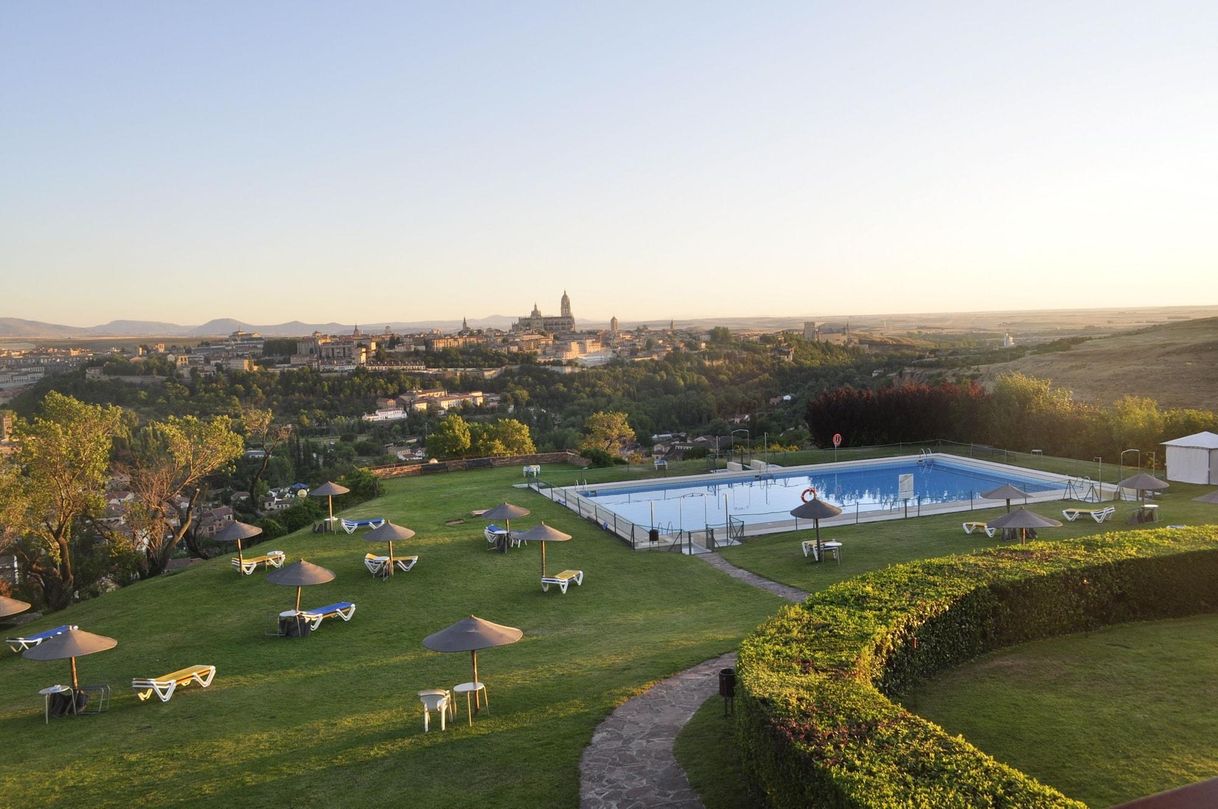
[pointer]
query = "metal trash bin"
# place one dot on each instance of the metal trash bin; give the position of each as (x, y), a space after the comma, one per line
(653, 535)
(727, 690)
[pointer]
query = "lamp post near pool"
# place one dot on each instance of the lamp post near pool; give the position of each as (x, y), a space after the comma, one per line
(1122, 475)
(748, 434)
(1099, 476)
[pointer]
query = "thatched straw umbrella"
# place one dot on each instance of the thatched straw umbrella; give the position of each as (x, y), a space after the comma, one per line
(469, 635)
(388, 532)
(816, 510)
(1023, 519)
(300, 574)
(1141, 483)
(11, 606)
(70, 645)
(543, 533)
(329, 490)
(235, 532)
(1005, 492)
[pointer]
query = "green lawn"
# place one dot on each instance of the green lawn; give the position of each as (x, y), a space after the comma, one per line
(709, 754)
(1104, 717)
(333, 720)
(870, 546)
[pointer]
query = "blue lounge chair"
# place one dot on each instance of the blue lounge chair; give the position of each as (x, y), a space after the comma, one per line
(30, 641)
(341, 609)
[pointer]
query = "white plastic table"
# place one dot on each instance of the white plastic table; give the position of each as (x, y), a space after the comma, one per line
(472, 688)
(47, 693)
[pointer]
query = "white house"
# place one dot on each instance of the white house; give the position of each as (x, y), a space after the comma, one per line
(1193, 458)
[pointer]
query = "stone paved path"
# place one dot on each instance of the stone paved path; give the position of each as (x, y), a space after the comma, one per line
(629, 764)
(789, 593)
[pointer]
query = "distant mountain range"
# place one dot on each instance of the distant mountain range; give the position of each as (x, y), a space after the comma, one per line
(997, 322)
(14, 327)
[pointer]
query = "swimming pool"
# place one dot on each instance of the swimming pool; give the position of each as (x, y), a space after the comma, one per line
(762, 500)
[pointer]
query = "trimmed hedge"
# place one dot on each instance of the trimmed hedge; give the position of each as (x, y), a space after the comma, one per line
(818, 726)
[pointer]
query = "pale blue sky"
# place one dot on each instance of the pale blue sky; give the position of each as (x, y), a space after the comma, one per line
(392, 161)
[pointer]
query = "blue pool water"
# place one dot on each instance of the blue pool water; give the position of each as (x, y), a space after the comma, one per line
(769, 498)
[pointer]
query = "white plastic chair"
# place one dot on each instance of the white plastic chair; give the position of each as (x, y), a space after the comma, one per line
(437, 699)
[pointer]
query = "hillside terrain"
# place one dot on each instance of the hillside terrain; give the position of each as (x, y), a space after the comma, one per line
(1173, 363)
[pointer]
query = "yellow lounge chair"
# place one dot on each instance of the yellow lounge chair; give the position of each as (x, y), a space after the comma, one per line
(970, 527)
(563, 580)
(164, 685)
(249, 564)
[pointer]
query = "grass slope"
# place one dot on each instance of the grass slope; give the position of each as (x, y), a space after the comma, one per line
(1105, 717)
(1172, 363)
(333, 720)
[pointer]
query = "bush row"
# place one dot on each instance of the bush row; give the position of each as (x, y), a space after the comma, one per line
(818, 726)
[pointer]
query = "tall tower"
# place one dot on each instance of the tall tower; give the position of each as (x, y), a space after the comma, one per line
(565, 305)
(613, 324)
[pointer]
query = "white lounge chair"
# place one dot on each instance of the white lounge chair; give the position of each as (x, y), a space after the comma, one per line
(405, 563)
(828, 546)
(375, 564)
(314, 617)
(970, 527)
(563, 580)
(248, 564)
(1097, 514)
(350, 526)
(164, 685)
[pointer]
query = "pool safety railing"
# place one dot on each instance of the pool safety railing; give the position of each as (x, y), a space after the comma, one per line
(580, 497)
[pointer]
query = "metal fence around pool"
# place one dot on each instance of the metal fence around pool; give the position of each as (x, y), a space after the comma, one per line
(713, 536)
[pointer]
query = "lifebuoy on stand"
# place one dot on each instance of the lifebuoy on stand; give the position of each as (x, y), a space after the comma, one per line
(804, 495)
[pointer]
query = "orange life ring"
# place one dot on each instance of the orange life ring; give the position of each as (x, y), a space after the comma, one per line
(808, 491)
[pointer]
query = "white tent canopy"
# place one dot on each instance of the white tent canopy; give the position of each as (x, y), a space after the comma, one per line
(1193, 458)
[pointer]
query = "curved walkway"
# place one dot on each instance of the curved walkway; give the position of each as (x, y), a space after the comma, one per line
(629, 764)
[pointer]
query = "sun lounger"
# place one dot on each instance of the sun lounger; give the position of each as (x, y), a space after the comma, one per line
(375, 564)
(341, 609)
(350, 526)
(30, 641)
(970, 527)
(562, 580)
(249, 564)
(828, 546)
(164, 685)
(405, 563)
(1097, 514)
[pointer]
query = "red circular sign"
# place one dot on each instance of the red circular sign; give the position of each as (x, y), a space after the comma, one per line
(837, 440)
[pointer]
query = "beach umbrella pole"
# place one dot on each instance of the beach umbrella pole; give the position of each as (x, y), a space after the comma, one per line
(473, 656)
(75, 681)
(298, 588)
(543, 559)
(391, 557)
(240, 558)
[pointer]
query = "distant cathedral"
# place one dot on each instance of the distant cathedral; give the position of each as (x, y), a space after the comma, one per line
(536, 321)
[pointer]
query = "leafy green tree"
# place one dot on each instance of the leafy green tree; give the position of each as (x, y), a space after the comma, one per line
(64, 457)
(608, 432)
(451, 439)
(168, 464)
(499, 438)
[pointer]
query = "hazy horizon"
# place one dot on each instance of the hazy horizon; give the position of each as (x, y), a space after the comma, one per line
(299, 161)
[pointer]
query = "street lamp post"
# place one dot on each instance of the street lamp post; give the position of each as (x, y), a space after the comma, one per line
(1123, 467)
(1099, 477)
(748, 436)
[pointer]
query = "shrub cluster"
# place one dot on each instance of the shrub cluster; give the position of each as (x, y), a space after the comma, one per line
(818, 726)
